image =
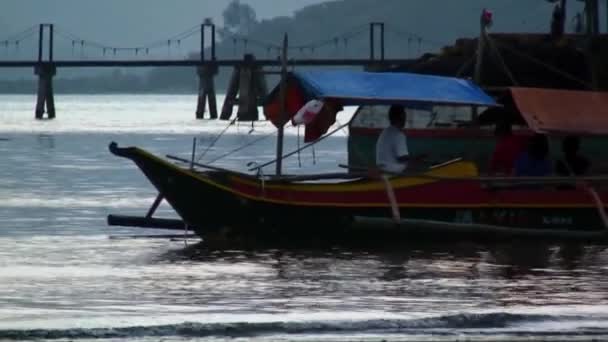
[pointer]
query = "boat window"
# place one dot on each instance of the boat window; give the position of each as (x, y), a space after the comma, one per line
(437, 116)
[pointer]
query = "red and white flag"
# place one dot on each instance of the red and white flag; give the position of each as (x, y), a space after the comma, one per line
(307, 113)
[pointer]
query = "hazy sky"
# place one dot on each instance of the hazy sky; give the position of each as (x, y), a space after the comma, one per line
(134, 23)
(138, 22)
(127, 22)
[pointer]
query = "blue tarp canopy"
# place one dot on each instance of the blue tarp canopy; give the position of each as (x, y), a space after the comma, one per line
(352, 88)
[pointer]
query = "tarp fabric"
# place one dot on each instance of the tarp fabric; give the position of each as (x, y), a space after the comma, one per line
(343, 88)
(359, 87)
(322, 122)
(563, 111)
(295, 99)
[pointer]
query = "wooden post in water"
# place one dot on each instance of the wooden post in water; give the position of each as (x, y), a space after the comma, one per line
(260, 85)
(283, 99)
(231, 93)
(206, 74)
(206, 90)
(248, 82)
(248, 102)
(45, 72)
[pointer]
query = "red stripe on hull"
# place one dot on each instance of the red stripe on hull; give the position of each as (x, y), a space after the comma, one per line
(441, 193)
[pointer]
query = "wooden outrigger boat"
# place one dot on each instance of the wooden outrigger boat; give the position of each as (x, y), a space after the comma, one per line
(449, 199)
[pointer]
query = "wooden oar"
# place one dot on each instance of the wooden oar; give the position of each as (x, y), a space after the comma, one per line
(601, 209)
(392, 199)
(599, 204)
(388, 187)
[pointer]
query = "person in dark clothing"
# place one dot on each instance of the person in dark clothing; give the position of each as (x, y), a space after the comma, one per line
(572, 164)
(534, 162)
(508, 148)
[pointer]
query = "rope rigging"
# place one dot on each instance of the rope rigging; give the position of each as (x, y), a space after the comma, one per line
(543, 64)
(246, 42)
(216, 139)
(136, 50)
(400, 32)
(242, 147)
(313, 46)
(16, 40)
(501, 60)
(309, 49)
(20, 35)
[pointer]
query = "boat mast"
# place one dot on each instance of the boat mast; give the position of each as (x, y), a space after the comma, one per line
(592, 13)
(593, 27)
(484, 22)
(283, 105)
(481, 47)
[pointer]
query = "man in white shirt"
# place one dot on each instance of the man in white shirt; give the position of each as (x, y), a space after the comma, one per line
(392, 154)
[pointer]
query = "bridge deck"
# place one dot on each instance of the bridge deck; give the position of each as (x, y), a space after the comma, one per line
(192, 63)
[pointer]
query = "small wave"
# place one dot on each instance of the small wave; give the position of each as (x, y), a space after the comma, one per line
(99, 201)
(477, 323)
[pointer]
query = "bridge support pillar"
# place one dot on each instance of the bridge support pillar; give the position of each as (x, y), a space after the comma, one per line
(249, 83)
(45, 91)
(206, 90)
(231, 93)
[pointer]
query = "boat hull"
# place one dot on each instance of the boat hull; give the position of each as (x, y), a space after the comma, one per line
(227, 205)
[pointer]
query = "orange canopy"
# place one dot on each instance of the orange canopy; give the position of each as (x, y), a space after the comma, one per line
(563, 111)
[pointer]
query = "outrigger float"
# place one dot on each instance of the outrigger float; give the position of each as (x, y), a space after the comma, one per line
(450, 199)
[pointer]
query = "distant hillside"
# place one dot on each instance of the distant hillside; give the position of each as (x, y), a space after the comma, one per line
(340, 29)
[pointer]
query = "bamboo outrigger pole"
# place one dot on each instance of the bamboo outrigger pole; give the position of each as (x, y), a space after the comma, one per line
(283, 106)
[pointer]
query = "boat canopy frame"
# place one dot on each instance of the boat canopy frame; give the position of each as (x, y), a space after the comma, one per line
(355, 88)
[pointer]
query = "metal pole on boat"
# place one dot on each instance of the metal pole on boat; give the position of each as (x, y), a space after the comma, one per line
(283, 99)
(592, 15)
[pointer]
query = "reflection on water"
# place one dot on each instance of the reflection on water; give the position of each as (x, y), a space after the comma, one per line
(69, 282)
(46, 141)
(452, 274)
(62, 277)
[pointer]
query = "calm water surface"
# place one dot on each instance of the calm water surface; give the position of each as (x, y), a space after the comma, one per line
(66, 275)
